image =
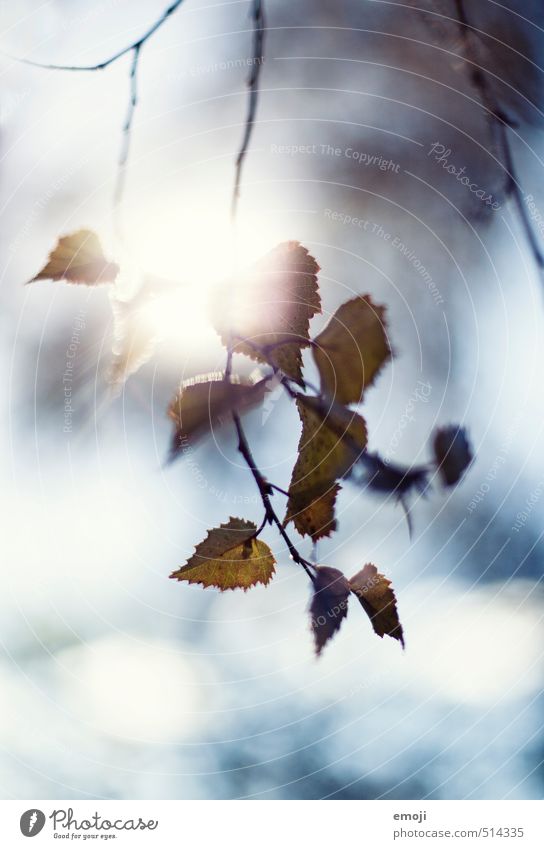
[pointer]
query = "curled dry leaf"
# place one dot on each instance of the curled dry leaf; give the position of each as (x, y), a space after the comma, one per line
(452, 452)
(325, 454)
(265, 313)
(378, 601)
(351, 350)
(229, 558)
(205, 403)
(329, 605)
(78, 258)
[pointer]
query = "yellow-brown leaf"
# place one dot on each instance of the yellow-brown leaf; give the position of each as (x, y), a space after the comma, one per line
(326, 454)
(351, 350)
(312, 511)
(229, 558)
(78, 258)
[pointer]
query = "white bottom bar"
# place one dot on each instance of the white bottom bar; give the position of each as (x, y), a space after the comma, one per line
(273, 825)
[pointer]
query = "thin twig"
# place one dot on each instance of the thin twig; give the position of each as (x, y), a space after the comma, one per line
(99, 66)
(265, 490)
(261, 528)
(257, 15)
(127, 129)
(135, 48)
(500, 123)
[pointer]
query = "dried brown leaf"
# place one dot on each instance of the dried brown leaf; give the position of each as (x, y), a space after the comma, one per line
(205, 403)
(378, 600)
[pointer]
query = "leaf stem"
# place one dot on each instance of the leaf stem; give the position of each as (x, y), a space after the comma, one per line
(279, 489)
(261, 527)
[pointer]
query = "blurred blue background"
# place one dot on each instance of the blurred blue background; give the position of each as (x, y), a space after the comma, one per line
(118, 683)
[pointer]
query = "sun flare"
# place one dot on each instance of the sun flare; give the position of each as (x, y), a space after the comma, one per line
(190, 252)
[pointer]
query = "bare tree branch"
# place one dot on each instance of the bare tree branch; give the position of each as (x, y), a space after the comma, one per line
(257, 14)
(135, 48)
(99, 66)
(500, 124)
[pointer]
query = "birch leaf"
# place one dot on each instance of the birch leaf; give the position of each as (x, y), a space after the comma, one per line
(78, 258)
(351, 350)
(452, 452)
(205, 403)
(329, 605)
(378, 601)
(229, 558)
(266, 312)
(324, 456)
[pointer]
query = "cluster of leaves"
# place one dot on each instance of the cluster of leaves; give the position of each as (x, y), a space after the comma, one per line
(265, 314)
